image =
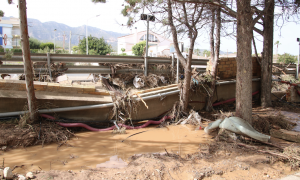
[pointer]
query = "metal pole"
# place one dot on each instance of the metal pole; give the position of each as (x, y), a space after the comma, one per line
(146, 60)
(87, 41)
(28, 71)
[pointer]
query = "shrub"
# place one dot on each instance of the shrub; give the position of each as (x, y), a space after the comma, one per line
(287, 58)
(34, 50)
(50, 45)
(34, 43)
(138, 49)
(16, 50)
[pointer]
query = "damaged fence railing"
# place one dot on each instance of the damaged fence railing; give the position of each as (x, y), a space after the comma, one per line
(108, 105)
(77, 69)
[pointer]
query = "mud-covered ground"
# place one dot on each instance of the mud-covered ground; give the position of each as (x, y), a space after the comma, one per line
(241, 159)
(215, 161)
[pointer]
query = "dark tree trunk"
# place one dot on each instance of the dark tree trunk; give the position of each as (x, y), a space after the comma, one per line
(266, 64)
(214, 58)
(186, 63)
(244, 61)
(32, 106)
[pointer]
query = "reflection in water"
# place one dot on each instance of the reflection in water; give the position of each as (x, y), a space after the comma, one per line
(294, 118)
(114, 162)
(92, 148)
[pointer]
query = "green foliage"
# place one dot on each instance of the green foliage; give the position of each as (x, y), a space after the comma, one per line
(8, 55)
(62, 52)
(16, 50)
(96, 46)
(206, 52)
(45, 50)
(197, 52)
(1, 13)
(123, 50)
(123, 54)
(50, 45)
(138, 49)
(75, 49)
(287, 58)
(34, 43)
(34, 50)
(99, 1)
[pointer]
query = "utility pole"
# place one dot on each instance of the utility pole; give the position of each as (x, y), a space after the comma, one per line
(64, 41)
(32, 104)
(70, 42)
(54, 39)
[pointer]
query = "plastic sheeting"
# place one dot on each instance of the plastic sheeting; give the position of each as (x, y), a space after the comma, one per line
(237, 125)
(138, 82)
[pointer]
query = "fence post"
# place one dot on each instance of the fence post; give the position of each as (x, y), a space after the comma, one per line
(49, 66)
(146, 66)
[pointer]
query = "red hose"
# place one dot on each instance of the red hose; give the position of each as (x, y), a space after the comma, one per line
(292, 84)
(231, 100)
(106, 129)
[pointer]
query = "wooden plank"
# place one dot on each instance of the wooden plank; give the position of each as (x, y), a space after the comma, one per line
(158, 88)
(286, 135)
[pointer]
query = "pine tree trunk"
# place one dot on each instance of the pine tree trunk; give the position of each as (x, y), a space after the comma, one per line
(244, 61)
(32, 106)
(266, 64)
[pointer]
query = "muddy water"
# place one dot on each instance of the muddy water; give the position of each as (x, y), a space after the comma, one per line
(104, 149)
(294, 117)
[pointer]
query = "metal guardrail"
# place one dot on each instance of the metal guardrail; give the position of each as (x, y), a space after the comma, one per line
(291, 69)
(71, 58)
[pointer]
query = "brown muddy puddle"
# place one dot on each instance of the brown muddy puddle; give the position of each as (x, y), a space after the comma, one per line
(104, 149)
(294, 117)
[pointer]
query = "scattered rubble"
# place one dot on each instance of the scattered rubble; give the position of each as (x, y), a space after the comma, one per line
(7, 173)
(29, 175)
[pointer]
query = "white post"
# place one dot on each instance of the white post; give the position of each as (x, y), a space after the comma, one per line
(70, 42)
(87, 41)
(54, 39)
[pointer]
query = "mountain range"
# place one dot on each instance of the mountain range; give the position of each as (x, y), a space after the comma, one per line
(45, 33)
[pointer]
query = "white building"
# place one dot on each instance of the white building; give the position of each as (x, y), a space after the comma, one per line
(158, 45)
(10, 29)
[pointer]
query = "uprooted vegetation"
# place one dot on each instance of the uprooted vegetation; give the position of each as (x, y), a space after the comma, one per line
(276, 121)
(44, 132)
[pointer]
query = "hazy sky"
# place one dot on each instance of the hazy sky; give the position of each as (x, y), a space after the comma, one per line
(77, 12)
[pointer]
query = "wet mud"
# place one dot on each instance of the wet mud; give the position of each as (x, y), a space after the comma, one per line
(104, 149)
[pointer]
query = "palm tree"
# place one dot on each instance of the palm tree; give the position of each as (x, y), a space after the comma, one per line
(277, 44)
